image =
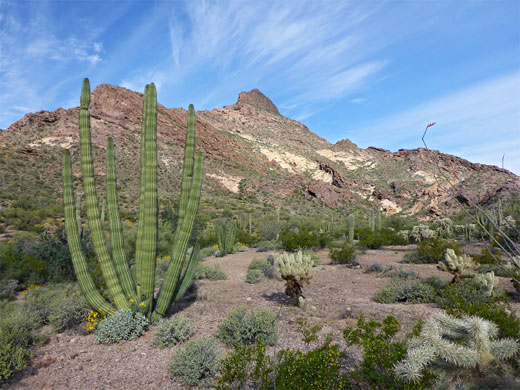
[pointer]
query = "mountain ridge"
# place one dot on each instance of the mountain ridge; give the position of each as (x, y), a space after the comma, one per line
(251, 150)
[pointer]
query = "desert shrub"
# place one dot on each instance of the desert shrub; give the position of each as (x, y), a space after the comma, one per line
(17, 340)
(344, 254)
(406, 292)
(197, 363)
(17, 264)
(210, 272)
(269, 227)
(380, 354)
(62, 305)
(466, 292)
(303, 237)
(404, 275)
(8, 289)
(123, 325)
(266, 246)
(437, 282)
(254, 276)
(374, 267)
(262, 265)
(486, 257)
(207, 252)
(374, 240)
(316, 368)
(431, 251)
(244, 237)
(243, 326)
(173, 331)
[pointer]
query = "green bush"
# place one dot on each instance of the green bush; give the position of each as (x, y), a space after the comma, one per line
(375, 240)
(431, 251)
(254, 276)
(247, 327)
(258, 269)
(437, 282)
(380, 354)
(374, 267)
(13, 358)
(266, 246)
(173, 331)
(406, 292)
(62, 305)
(123, 325)
(197, 363)
(8, 289)
(344, 254)
(316, 260)
(466, 292)
(206, 252)
(210, 272)
(303, 237)
(317, 368)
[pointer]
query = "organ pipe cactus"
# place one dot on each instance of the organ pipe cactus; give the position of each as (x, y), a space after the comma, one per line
(114, 266)
(226, 233)
(351, 227)
(379, 219)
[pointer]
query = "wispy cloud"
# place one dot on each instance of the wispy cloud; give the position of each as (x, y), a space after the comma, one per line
(480, 123)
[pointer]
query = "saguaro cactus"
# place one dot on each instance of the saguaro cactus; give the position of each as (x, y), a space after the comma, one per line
(114, 265)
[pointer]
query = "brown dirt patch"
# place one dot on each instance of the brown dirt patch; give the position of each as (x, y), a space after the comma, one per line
(70, 361)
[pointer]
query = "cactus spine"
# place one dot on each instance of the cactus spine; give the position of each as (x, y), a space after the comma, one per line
(122, 287)
(351, 227)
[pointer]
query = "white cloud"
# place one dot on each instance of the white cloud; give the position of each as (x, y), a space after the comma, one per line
(480, 123)
(358, 100)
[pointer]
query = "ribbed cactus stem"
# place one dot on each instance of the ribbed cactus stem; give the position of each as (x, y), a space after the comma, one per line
(116, 235)
(98, 238)
(378, 219)
(250, 225)
(146, 247)
(351, 227)
(78, 214)
(79, 262)
(371, 221)
(190, 197)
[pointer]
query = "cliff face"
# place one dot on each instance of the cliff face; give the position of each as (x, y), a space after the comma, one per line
(249, 148)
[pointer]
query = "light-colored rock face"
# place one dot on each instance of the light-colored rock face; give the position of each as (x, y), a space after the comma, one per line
(349, 160)
(297, 164)
(390, 207)
(63, 142)
(227, 181)
(428, 177)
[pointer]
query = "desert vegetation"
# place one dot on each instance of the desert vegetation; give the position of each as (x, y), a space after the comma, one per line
(218, 293)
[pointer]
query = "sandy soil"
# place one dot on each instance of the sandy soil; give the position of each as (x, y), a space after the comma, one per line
(70, 361)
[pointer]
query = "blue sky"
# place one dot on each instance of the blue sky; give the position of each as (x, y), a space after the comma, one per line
(375, 72)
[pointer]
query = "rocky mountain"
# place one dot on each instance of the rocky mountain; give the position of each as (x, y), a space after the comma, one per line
(251, 152)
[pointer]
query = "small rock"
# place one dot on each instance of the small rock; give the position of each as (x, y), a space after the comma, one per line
(73, 340)
(47, 362)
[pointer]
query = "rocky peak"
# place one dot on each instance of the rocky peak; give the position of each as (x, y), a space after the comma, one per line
(257, 99)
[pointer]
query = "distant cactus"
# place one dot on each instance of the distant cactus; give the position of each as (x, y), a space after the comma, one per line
(294, 269)
(444, 226)
(379, 219)
(422, 232)
(371, 221)
(226, 233)
(459, 266)
(456, 349)
(351, 227)
(489, 281)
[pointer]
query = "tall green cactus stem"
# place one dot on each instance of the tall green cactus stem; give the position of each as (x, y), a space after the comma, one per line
(116, 235)
(78, 215)
(250, 225)
(379, 219)
(103, 208)
(188, 206)
(371, 221)
(98, 238)
(146, 247)
(226, 233)
(351, 227)
(115, 269)
(79, 262)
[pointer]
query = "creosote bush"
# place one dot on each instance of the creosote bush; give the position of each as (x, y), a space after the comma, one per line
(243, 326)
(406, 292)
(172, 331)
(197, 363)
(212, 273)
(345, 254)
(431, 251)
(123, 325)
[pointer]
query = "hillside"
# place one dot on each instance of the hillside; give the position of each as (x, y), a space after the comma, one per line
(251, 152)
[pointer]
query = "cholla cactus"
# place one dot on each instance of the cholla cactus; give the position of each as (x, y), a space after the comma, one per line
(404, 233)
(489, 281)
(459, 266)
(422, 232)
(444, 226)
(457, 349)
(294, 269)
